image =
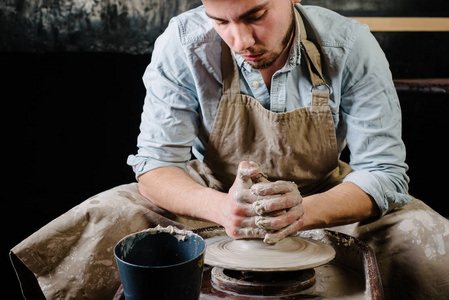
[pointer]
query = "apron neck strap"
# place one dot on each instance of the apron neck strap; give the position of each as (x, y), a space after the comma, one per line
(230, 72)
(312, 55)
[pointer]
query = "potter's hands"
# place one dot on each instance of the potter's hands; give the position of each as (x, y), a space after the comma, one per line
(279, 209)
(238, 212)
(257, 208)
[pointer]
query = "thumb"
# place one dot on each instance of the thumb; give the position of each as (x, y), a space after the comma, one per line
(245, 171)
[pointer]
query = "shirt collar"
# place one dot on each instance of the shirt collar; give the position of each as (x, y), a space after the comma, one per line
(294, 57)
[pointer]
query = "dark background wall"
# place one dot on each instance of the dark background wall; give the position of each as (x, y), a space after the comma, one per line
(72, 96)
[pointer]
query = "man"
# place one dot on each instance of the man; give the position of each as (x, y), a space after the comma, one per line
(266, 94)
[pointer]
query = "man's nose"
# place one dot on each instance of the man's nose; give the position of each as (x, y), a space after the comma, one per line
(242, 37)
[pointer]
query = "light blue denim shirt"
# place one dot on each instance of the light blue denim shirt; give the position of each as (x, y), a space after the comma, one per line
(184, 86)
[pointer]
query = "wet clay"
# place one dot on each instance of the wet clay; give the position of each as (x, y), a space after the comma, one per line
(289, 254)
(128, 242)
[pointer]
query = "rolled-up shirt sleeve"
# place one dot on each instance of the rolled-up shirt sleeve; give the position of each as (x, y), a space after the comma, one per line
(169, 121)
(371, 112)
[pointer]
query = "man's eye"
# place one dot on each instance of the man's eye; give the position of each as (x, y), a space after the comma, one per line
(221, 23)
(256, 16)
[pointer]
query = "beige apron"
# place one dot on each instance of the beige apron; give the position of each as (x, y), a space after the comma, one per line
(72, 257)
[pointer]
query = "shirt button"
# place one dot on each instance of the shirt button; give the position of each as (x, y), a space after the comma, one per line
(256, 84)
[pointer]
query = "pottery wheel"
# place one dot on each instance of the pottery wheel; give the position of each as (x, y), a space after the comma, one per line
(290, 254)
(262, 283)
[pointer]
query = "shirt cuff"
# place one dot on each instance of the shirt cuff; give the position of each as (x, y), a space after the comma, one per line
(384, 193)
(142, 165)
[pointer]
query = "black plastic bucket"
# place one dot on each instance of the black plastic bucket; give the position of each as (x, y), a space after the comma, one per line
(160, 265)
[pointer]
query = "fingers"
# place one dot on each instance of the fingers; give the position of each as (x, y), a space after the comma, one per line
(279, 209)
(246, 228)
(273, 238)
(245, 171)
(260, 177)
(272, 188)
(249, 233)
(241, 193)
(267, 204)
(244, 196)
(263, 209)
(281, 221)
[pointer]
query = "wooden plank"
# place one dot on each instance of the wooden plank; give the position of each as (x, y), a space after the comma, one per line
(384, 8)
(424, 85)
(389, 24)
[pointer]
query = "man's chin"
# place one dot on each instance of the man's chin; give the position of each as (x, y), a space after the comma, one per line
(260, 65)
(263, 63)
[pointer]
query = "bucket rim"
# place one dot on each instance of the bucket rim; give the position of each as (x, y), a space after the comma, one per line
(188, 234)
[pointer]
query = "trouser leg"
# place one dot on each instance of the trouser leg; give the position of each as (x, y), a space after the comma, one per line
(72, 256)
(412, 251)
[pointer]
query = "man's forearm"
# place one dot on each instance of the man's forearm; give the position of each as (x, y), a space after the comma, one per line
(175, 191)
(344, 204)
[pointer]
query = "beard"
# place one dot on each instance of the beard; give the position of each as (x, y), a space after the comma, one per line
(272, 57)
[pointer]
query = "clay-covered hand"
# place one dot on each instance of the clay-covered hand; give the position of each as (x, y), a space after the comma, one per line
(239, 216)
(279, 208)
